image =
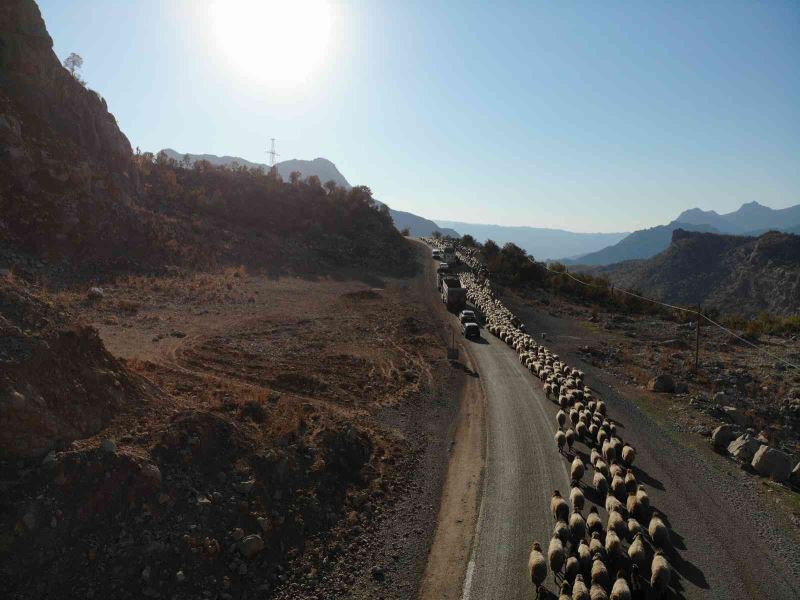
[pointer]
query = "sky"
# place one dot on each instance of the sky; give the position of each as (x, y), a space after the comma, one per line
(585, 116)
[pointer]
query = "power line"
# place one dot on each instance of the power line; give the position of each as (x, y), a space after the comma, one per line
(686, 310)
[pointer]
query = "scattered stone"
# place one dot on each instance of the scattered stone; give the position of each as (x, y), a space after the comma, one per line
(723, 435)
(180, 577)
(701, 430)
(95, 293)
(109, 446)
(377, 573)
(771, 462)
(744, 448)
(661, 384)
(251, 545)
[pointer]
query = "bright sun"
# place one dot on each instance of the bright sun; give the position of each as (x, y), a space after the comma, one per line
(280, 43)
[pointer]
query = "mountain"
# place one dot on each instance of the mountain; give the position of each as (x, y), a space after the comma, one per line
(736, 274)
(326, 171)
(749, 217)
(752, 219)
(540, 242)
(639, 244)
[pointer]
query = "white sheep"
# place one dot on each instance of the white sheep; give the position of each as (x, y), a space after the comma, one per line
(660, 573)
(593, 522)
(537, 567)
(579, 589)
(621, 591)
(637, 551)
(561, 440)
(556, 556)
(577, 527)
(577, 469)
(613, 544)
(596, 592)
(658, 531)
(599, 571)
(559, 507)
(566, 591)
(576, 497)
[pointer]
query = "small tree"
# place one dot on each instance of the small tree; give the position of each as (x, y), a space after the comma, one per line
(73, 63)
(294, 177)
(330, 185)
(437, 234)
(405, 231)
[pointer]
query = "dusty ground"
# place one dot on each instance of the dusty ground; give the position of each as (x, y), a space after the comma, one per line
(316, 414)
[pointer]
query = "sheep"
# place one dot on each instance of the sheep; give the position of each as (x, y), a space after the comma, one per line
(577, 469)
(621, 591)
(556, 556)
(576, 496)
(599, 571)
(573, 416)
(600, 483)
(584, 556)
(577, 527)
(601, 466)
(658, 531)
(617, 524)
(537, 567)
(632, 505)
(618, 487)
(659, 573)
(637, 551)
(581, 431)
(571, 569)
(579, 589)
(593, 522)
(613, 504)
(559, 507)
(613, 544)
(566, 592)
(616, 471)
(634, 527)
(570, 438)
(561, 440)
(628, 454)
(642, 497)
(630, 482)
(595, 545)
(596, 592)
(561, 417)
(637, 589)
(594, 456)
(562, 532)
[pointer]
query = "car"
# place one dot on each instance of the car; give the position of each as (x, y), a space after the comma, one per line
(443, 268)
(467, 316)
(471, 330)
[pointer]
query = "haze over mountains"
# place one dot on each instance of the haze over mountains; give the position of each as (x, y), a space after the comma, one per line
(326, 171)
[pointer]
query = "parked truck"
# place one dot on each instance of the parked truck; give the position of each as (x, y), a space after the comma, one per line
(453, 295)
(449, 255)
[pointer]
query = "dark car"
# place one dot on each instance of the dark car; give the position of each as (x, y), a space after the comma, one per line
(471, 331)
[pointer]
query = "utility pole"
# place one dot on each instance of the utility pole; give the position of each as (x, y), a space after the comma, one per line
(272, 154)
(697, 339)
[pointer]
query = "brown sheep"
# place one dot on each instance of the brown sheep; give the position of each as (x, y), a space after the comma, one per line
(593, 522)
(556, 556)
(577, 469)
(660, 573)
(577, 527)
(658, 531)
(579, 589)
(576, 496)
(561, 440)
(566, 592)
(599, 571)
(537, 567)
(596, 592)
(559, 507)
(621, 591)
(637, 551)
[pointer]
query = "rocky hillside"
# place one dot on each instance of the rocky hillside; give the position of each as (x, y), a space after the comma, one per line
(736, 274)
(326, 171)
(748, 218)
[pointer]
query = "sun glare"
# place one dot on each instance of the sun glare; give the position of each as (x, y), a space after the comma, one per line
(278, 43)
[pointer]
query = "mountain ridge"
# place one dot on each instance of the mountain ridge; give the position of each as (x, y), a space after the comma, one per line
(326, 170)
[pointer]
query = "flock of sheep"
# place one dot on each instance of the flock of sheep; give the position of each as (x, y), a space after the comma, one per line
(584, 551)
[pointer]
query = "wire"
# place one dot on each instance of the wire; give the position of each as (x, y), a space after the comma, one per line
(681, 308)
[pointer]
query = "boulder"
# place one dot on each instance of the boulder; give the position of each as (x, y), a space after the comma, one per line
(681, 387)
(723, 435)
(662, 384)
(737, 415)
(744, 448)
(250, 545)
(771, 462)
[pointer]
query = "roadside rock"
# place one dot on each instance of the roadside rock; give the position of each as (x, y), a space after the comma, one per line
(661, 384)
(744, 448)
(108, 446)
(737, 416)
(250, 545)
(723, 435)
(770, 462)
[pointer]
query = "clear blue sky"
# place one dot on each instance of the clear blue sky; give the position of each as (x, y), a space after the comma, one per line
(590, 116)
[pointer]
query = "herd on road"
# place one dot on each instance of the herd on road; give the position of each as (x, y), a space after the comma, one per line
(583, 552)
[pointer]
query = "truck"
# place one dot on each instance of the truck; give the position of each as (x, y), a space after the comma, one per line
(449, 255)
(453, 295)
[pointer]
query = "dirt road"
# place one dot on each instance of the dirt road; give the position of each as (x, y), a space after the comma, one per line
(716, 554)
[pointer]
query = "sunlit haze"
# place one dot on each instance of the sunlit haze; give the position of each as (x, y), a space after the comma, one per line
(583, 116)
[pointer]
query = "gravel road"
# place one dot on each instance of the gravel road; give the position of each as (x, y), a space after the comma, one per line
(721, 534)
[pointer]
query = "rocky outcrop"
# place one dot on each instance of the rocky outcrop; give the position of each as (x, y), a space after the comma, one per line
(771, 462)
(723, 435)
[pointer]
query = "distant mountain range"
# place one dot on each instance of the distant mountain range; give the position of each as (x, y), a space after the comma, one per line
(326, 171)
(540, 242)
(751, 219)
(736, 274)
